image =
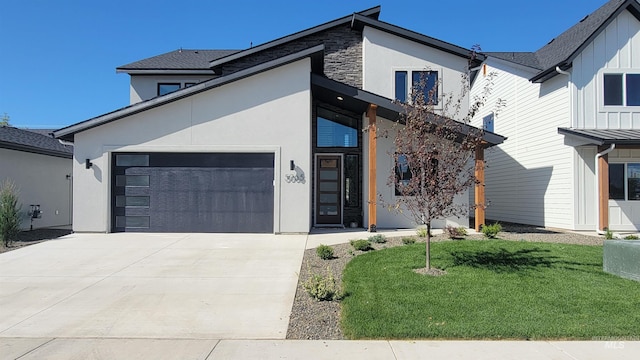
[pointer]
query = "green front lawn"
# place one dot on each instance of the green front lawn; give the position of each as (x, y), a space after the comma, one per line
(493, 289)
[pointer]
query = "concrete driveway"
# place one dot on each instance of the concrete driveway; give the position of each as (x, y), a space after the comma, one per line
(160, 286)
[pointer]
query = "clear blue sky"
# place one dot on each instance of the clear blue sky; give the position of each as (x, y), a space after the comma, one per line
(58, 57)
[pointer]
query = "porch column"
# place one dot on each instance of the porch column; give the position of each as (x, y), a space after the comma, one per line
(603, 189)
(479, 188)
(371, 114)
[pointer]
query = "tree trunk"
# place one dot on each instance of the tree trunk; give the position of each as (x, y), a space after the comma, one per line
(429, 245)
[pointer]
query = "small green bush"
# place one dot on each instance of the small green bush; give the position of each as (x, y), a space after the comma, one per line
(455, 232)
(378, 239)
(322, 287)
(408, 240)
(9, 213)
(422, 232)
(631, 237)
(491, 231)
(362, 244)
(608, 234)
(325, 252)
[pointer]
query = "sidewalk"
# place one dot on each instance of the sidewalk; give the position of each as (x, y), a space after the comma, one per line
(166, 349)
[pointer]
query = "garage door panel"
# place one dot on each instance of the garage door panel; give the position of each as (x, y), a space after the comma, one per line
(233, 194)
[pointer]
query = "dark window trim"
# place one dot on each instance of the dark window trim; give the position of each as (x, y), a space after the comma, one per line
(172, 84)
(622, 89)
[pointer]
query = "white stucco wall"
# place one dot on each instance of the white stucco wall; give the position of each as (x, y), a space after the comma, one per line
(267, 112)
(42, 180)
(530, 177)
(145, 87)
(614, 50)
(388, 217)
(384, 54)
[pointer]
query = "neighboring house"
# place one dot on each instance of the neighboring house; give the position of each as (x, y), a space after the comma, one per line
(279, 138)
(572, 116)
(41, 168)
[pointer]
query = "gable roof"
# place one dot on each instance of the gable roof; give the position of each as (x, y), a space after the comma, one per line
(373, 12)
(177, 60)
(563, 49)
(33, 142)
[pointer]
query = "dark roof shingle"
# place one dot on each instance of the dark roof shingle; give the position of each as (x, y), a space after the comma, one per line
(181, 59)
(30, 141)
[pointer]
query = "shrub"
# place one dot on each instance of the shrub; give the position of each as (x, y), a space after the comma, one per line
(631, 237)
(422, 232)
(321, 287)
(378, 239)
(325, 252)
(362, 244)
(455, 232)
(608, 234)
(9, 213)
(491, 231)
(408, 240)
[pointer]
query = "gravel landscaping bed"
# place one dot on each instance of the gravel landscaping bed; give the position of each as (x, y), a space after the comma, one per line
(30, 237)
(320, 320)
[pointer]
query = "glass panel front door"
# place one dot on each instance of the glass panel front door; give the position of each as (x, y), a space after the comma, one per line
(328, 190)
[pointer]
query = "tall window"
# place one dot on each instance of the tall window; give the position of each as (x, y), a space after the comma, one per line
(423, 83)
(621, 89)
(403, 173)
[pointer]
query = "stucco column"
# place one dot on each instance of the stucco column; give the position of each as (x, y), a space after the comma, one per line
(479, 188)
(371, 114)
(603, 189)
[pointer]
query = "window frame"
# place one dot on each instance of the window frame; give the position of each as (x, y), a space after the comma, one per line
(624, 73)
(625, 180)
(167, 84)
(485, 121)
(408, 70)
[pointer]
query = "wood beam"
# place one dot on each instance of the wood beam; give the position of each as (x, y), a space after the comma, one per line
(479, 188)
(603, 189)
(371, 114)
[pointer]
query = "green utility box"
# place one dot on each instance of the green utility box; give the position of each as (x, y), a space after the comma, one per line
(622, 258)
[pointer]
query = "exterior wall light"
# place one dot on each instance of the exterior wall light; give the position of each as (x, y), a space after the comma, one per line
(88, 164)
(292, 165)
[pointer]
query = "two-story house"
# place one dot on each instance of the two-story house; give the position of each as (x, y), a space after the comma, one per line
(277, 138)
(571, 111)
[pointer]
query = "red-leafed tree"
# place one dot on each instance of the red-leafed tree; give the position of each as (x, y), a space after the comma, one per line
(433, 155)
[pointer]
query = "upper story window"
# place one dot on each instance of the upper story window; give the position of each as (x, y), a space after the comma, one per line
(423, 83)
(621, 89)
(487, 122)
(165, 88)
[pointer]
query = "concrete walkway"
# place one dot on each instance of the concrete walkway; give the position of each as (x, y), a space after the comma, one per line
(168, 349)
(200, 296)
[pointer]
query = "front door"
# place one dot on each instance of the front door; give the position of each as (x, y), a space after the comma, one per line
(329, 190)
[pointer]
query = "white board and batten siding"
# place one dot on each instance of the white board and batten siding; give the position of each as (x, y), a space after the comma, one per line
(529, 178)
(616, 49)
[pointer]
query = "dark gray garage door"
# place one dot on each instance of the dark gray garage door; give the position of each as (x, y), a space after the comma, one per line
(192, 192)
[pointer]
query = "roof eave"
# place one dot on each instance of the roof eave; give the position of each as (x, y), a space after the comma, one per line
(360, 21)
(315, 53)
(164, 71)
(372, 12)
(35, 150)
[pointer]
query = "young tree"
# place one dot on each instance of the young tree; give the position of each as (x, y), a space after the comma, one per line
(434, 156)
(9, 213)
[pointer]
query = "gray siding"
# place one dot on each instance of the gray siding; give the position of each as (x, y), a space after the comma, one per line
(342, 61)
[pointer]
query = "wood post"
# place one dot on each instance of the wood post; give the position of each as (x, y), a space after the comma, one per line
(479, 188)
(371, 114)
(603, 189)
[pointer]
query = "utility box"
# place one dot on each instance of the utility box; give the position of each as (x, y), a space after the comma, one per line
(622, 258)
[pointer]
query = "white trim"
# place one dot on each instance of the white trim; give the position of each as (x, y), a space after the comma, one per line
(599, 81)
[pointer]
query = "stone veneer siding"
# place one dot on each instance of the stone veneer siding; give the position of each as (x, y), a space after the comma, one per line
(342, 59)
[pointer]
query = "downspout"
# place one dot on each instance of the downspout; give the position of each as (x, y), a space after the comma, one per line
(560, 71)
(67, 143)
(598, 156)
